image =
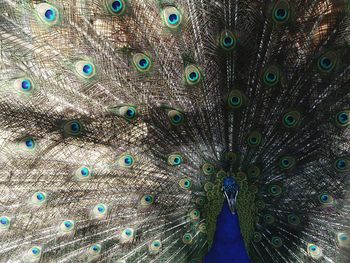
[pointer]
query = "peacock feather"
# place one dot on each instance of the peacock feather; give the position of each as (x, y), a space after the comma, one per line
(137, 131)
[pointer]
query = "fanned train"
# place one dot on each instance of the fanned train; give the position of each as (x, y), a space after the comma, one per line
(130, 130)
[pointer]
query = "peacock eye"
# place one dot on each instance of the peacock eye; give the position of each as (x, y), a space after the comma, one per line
(72, 128)
(208, 169)
(286, 162)
(275, 190)
(228, 40)
(187, 238)
(343, 239)
(175, 159)
(33, 254)
(293, 219)
(67, 226)
(185, 184)
(269, 219)
(172, 17)
(314, 251)
(100, 211)
(192, 75)
(23, 85)
(291, 119)
(126, 161)
(195, 214)
(271, 76)
(94, 250)
(128, 112)
(276, 242)
(84, 173)
(343, 119)
(327, 61)
(5, 222)
(257, 237)
(48, 14)
(85, 69)
(281, 11)
(253, 171)
(127, 235)
(155, 246)
(202, 228)
(147, 200)
(235, 99)
(116, 7)
(142, 62)
(38, 198)
(254, 139)
(342, 165)
(176, 117)
(325, 199)
(27, 144)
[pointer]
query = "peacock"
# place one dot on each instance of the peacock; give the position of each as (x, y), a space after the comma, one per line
(136, 131)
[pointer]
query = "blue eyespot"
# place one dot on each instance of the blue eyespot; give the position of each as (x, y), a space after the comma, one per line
(84, 172)
(67, 226)
(72, 128)
(40, 196)
(271, 76)
(142, 62)
(50, 14)
(176, 117)
(26, 85)
(172, 17)
(47, 13)
(343, 119)
(30, 143)
(342, 165)
(327, 61)
(128, 232)
(35, 251)
(126, 161)
(101, 208)
(116, 7)
(85, 69)
(281, 14)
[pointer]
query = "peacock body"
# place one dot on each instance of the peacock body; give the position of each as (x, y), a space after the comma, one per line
(174, 131)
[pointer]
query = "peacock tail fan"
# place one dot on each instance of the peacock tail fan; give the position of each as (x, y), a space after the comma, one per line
(121, 119)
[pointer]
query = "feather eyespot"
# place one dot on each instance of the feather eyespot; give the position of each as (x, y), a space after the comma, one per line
(85, 69)
(172, 17)
(228, 40)
(67, 226)
(142, 62)
(281, 11)
(192, 75)
(48, 14)
(5, 222)
(147, 200)
(291, 119)
(327, 62)
(185, 184)
(155, 246)
(126, 161)
(33, 254)
(99, 211)
(342, 165)
(343, 119)
(175, 159)
(38, 198)
(287, 162)
(176, 117)
(187, 238)
(116, 7)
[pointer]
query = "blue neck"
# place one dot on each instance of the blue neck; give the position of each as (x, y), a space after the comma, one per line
(228, 245)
